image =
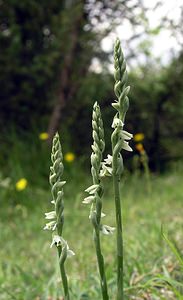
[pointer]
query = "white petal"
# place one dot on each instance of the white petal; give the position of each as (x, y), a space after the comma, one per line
(102, 215)
(94, 211)
(116, 105)
(54, 227)
(70, 253)
(107, 229)
(126, 146)
(57, 240)
(117, 122)
(61, 184)
(50, 226)
(92, 189)
(50, 215)
(108, 160)
(88, 200)
(106, 171)
(126, 135)
(109, 170)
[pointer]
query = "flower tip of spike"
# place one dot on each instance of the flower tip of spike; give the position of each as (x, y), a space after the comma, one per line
(95, 104)
(117, 44)
(117, 40)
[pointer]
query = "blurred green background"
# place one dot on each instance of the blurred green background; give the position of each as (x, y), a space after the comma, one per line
(56, 60)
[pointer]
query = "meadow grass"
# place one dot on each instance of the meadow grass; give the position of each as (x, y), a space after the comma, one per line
(29, 268)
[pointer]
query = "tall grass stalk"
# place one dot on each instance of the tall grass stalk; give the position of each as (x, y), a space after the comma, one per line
(119, 140)
(57, 215)
(96, 191)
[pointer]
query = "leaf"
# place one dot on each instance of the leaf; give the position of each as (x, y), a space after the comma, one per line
(172, 246)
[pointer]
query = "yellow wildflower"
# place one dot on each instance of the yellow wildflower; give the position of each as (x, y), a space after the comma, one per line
(69, 157)
(140, 148)
(43, 136)
(138, 137)
(21, 184)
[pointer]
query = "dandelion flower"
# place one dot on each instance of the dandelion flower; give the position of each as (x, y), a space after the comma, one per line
(138, 137)
(43, 136)
(69, 157)
(21, 184)
(140, 148)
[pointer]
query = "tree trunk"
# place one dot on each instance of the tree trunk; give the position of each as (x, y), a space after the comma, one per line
(65, 84)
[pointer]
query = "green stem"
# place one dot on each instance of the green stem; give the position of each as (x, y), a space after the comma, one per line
(101, 266)
(116, 183)
(65, 282)
(63, 276)
(100, 259)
